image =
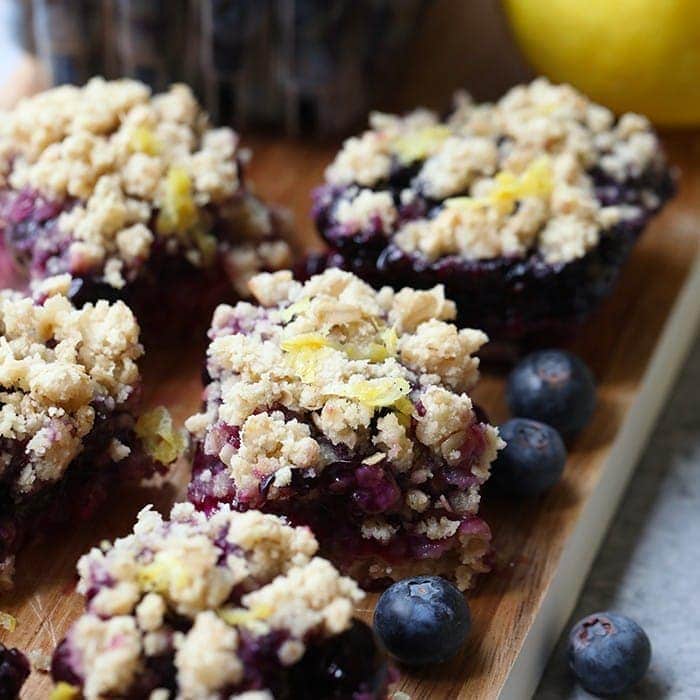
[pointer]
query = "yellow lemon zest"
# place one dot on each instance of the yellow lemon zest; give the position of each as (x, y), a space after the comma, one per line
(160, 438)
(421, 143)
(305, 341)
(535, 181)
(165, 572)
(375, 393)
(242, 617)
(464, 202)
(8, 622)
(390, 340)
(178, 211)
(375, 352)
(307, 351)
(143, 140)
(64, 691)
(404, 407)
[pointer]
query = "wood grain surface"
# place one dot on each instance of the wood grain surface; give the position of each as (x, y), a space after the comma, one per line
(529, 536)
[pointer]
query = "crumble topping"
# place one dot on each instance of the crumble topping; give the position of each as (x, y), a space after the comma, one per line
(58, 364)
(132, 170)
(336, 350)
(508, 178)
(232, 577)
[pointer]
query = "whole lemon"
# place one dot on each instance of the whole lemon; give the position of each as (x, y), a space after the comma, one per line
(638, 55)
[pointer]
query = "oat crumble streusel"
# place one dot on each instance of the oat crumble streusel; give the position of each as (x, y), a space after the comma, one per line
(512, 176)
(331, 397)
(233, 605)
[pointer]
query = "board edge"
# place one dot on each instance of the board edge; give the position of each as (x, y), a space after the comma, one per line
(582, 546)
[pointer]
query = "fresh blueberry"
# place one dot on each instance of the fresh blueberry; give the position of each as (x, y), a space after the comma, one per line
(532, 460)
(14, 670)
(422, 620)
(608, 653)
(555, 387)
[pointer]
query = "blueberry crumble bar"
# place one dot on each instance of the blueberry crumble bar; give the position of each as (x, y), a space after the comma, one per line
(135, 196)
(231, 606)
(345, 409)
(524, 209)
(69, 393)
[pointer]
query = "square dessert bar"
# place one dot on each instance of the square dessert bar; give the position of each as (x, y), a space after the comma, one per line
(236, 605)
(345, 409)
(524, 209)
(69, 393)
(135, 196)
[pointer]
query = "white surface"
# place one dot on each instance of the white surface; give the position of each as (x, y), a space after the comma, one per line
(581, 548)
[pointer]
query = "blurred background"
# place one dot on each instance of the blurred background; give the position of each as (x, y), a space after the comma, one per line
(317, 66)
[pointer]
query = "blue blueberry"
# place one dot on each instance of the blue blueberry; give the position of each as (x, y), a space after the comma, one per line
(422, 620)
(532, 460)
(608, 653)
(14, 670)
(555, 387)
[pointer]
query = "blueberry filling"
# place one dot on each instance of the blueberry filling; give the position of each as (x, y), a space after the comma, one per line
(335, 502)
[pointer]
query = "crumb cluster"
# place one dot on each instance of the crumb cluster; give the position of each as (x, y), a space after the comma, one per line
(58, 366)
(202, 590)
(495, 180)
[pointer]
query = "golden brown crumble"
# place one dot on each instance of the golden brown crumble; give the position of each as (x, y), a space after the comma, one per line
(190, 565)
(56, 363)
(513, 175)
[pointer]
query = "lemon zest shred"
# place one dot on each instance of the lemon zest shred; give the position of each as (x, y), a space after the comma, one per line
(391, 340)
(143, 140)
(8, 622)
(404, 406)
(178, 212)
(165, 572)
(252, 619)
(64, 691)
(161, 440)
(535, 181)
(305, 341)
(376, 393)
(420, 143)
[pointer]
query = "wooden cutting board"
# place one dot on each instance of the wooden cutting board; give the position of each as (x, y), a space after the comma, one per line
(635, 345)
